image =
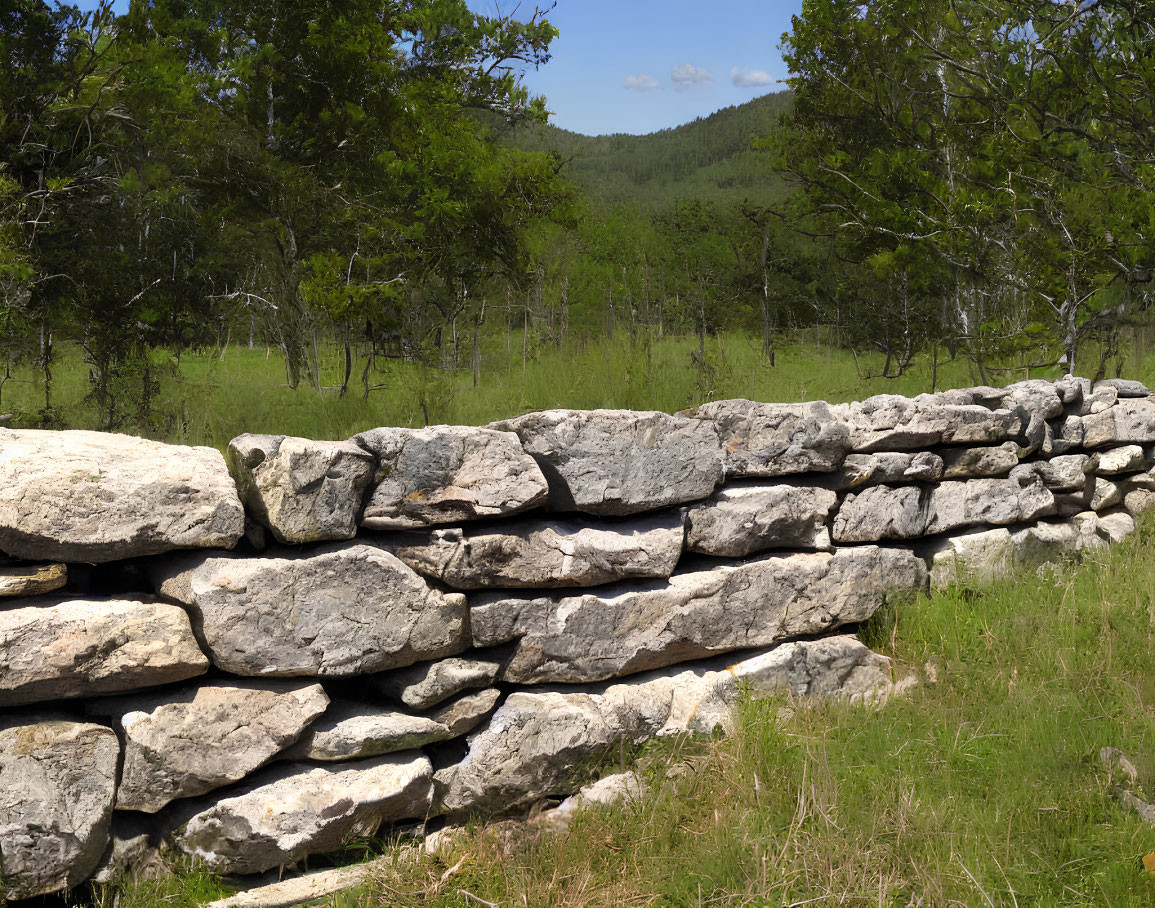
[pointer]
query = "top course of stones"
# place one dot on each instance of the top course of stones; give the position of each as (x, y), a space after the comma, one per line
(79, 496)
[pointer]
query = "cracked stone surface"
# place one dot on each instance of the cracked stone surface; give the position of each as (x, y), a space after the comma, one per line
(291, 810)
(889, 467)
(182, 743)
(338, 610)
(967, 463)
(761, 439)
(742, 519)
(890, 422)
(52, 649)
(1130, 421)
(446, 474)
(31, 579)
(1064, 473)
(1127, 459)
(351, 731)
(302, 490)
(535, 554)
(57, 781)
(619, 462)
(635, 627)
(426, 684)
(881, 512)
(549, 742)
(1018, 499)
(95, 496)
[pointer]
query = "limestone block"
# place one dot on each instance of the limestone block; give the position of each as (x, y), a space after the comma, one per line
(1037, 396)
(446, 474)
(761, 439)
(888, 467)
(1123, 387)
(1065, 473)
(742, 519)
(57, 781)
(302, 490)
(549, 741)
(186, 742)
(426, 684)
(1105, 494)
(465, 713)
(353, 731)
(31, 579)
(535, 554)
(292, 810)
(1130, 421)
(96, 496)
(634, 627)
(889, 422)
(1067, 434)
(1073, 389)
(53, 649)
(977, 557)
(1127, 459)
(337, 610)
(881, 512)
(998, 502)
(1139, 501)
(619, 462)
(968, 463)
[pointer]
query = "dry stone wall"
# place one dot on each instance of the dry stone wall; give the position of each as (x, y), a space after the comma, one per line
(256, 658)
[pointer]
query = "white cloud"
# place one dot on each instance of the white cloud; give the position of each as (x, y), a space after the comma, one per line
(750, 78)
(641, 82)
(688, 75)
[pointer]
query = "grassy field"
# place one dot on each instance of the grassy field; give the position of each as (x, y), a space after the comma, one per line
(215, 396)
(982, 786)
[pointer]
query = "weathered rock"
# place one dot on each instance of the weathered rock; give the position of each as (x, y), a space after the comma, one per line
(634, 627)
(96, 496)
(446, 474)
(776, 439)
(1065, 473)
(889, 422)
(1105, 494)
(881, 512)
(1067, 434)
(976, 557)
(742, 519)
(619, 462)
(133, 849)
(338, 610)
(178, 744)
(1038, 397)
(548, 742)
(292, 810)
(1098, 401)
(1116, 525)
(1124, 387)
(1139, 501)
(965, 463)
(426, 684)
(1073, 389)
(58, 648)
(998, 502)
(352, 731)
(57, 781)
(1129, 421)
(888, 467)
(302, 490)
(535, 554)
(465, 713)
(31, 579)
(1127, 459)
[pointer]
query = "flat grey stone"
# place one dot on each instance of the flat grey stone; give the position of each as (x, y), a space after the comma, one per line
(888, 467)
(31, 579)
(549, 742)
(1067, 434)
(1126, 459)
(1020, 498)
(353, 731)
(96, 496)
(620, 462)
(742, 519)
(291, 810)
(426, 684)
(182, 743)
(465, 713)
(1065, 473)
(881, 512)
(302, 490)
(1129, 421)
(446, 474)
(889, 422)
(338, 610)
(1105, 494)
(635, 627)
(536, 554)
(57, 781)
(762, 439)
(1038, 397)
(968, 463)
(1124, 387)
(52, 649)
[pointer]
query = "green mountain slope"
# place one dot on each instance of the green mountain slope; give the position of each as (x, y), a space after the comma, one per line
(711, 158)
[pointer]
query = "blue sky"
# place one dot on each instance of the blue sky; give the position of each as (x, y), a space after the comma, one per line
(641, 65)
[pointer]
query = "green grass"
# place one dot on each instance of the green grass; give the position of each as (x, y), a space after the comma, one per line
(982, 786)
(214, 396)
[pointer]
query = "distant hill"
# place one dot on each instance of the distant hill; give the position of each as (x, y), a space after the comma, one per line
(710, 158)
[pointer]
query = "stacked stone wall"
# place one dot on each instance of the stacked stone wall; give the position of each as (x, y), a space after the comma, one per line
(255, 658)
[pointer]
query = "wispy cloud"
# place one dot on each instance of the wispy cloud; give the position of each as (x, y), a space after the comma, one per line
(750, 78)
(688, 75)
(641, 82)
